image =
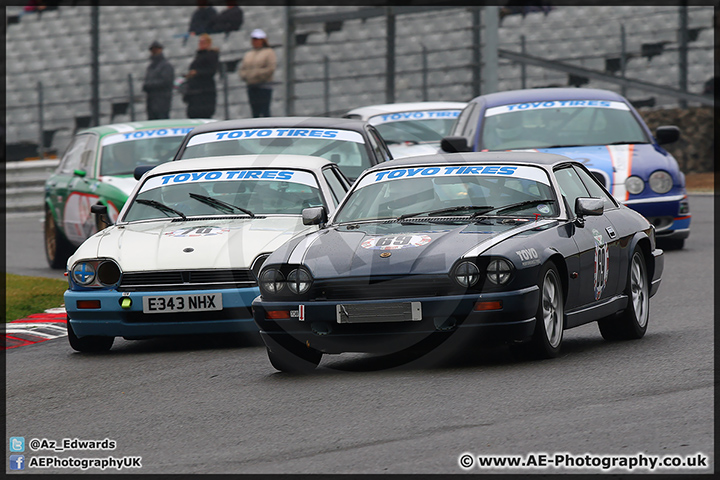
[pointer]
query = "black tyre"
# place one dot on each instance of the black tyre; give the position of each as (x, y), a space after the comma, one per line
(549, 319)
(57, 247)
(632, 322)
(90, 343)
(301, 360)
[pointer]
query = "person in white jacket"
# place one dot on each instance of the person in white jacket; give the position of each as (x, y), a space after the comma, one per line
(256, 70)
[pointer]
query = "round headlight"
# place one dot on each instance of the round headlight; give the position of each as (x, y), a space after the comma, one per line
(299, 281)
(660, 181)
(83, 273)
(498, 271)
(467, 274)
(108, 273)
(272, 280)
(634, 184)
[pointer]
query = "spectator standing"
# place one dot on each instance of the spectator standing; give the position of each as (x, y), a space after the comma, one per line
(229, 20)
(202, 18)
(257, 69)
(201, 95)
(158, 85)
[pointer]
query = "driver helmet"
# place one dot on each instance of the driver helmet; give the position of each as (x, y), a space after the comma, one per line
(509, 126)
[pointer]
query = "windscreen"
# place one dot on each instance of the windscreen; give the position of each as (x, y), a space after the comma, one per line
(225, 192)
(122, 152)
(427, 126)
(450, 190)
(555, 124)
(344, 147)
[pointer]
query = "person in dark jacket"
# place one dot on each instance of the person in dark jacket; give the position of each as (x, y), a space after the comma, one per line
(201, 95)
(158, 84)
(202, 18)
(229, 20)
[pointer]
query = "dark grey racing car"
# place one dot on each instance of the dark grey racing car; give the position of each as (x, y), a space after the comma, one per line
(502, 247)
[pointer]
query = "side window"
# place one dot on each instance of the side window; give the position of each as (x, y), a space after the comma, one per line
(74, 154)
(378, 145)
(462, 119)
(570, 185)
(595, 189)
(337, 186)
(471, 127)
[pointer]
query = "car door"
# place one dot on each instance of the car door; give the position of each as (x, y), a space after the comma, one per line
(78, 223)
(597, 242)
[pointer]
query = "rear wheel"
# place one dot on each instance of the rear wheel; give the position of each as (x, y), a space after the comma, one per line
(89, 343)
(548, 334)
(631, 323)
(57, 247)
(303, 360)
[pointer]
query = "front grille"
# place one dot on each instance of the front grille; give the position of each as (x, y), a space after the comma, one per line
(187, 280)
(387, 288)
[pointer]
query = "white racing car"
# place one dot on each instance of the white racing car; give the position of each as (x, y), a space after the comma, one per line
(411, 129)
(184, 254)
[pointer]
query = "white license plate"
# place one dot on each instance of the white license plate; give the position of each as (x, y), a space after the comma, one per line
(182, 303)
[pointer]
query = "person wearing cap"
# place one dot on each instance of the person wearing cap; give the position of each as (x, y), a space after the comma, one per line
(256, 70)
(158, 84)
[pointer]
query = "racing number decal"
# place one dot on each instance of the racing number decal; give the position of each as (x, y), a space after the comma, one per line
(395, 242)
(602, 264)
(204, 231)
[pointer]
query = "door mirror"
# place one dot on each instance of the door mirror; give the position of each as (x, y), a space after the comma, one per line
(140, 171)
(586, 206)
(314, 216)
(101, 211)
(667, 134)
(454, 144)
(79, 173)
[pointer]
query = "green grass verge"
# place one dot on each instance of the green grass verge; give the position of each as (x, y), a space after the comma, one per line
(27, 295)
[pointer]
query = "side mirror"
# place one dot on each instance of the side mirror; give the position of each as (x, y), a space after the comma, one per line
(140, 171)
(667, 134)
(101, 210)
(79, 173)
(587, 206)
(454, 144)
(314, 216)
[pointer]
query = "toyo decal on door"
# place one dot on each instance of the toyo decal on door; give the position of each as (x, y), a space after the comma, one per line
(602, 263)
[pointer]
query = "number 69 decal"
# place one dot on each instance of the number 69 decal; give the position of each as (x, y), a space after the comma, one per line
(395, 242)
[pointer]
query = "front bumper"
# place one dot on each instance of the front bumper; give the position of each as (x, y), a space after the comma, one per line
(113, 320)
(669, 214)
(441, 316)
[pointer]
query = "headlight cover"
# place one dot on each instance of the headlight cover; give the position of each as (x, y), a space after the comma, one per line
(466, 274)
(660, 181)
(634, 184)
(271, 280)
(498, 271)
(99, 273)
(299, 281)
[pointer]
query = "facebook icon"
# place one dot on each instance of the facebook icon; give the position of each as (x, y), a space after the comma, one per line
(17, 462)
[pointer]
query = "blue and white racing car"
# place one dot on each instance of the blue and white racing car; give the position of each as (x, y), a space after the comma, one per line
(599, 128)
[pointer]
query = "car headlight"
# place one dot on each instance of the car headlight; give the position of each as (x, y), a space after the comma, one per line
(660, 181)
(96, 273)
(467, 274)
(299, 281)
(272, 280)
(498, 271)
(634, 184)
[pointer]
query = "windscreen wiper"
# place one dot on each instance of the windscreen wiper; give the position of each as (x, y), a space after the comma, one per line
(219, 204)
(482, 208)
(516, 205)
(161, 206)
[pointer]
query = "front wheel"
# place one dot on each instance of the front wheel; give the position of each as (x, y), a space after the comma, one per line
(57, 248)
(549, 319)
(89, 343)
(304, 360)
(631, 323)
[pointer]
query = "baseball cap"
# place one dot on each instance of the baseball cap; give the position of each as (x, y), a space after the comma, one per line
(155, 44)
(258, 33)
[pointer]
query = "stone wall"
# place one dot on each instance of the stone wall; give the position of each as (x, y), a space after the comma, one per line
(695, 149)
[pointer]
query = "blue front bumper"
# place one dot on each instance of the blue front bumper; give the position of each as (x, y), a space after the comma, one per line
(113, 320)
(670, 215)
(444, 316)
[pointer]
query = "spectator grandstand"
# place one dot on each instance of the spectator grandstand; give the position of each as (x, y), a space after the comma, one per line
(55, 49)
